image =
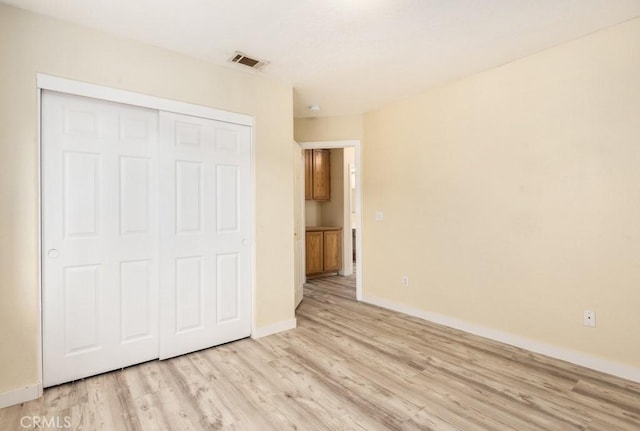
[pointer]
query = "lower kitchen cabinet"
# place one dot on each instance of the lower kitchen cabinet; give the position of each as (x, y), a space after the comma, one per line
(323, 250)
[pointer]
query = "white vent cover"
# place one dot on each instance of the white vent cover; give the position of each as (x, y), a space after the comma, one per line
(245, 60)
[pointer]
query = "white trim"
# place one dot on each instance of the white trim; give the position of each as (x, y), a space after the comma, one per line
(264, 331)
(21, 395)
(39, 338)
(316, 145)
(579, 358)
(358, 163)
(54, 83)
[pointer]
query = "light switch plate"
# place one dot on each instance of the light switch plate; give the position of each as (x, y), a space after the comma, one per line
(379, 216)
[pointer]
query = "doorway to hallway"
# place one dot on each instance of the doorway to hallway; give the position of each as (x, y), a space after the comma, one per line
(318, 220)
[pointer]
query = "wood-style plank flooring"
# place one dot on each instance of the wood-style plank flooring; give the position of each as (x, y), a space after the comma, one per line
(348, 366)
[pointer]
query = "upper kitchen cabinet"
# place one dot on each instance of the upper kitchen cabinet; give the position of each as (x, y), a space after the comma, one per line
(317, 175)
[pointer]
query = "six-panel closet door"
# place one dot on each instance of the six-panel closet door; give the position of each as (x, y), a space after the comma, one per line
(146, 235)
(100, 236)
(205, 212)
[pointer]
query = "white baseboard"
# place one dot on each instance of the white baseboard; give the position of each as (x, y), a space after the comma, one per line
(20, 395)
(606, 366)
(285, 325)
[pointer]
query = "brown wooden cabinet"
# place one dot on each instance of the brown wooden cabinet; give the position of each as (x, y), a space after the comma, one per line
(315, 256)
(332, 250)
(323, 250)
(317, 175)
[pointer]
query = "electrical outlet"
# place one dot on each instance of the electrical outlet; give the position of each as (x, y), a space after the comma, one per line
(589, 318)
(405, 280)
(379, 215)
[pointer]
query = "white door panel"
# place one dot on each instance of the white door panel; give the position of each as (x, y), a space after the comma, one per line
(205, 236)
(100, 241)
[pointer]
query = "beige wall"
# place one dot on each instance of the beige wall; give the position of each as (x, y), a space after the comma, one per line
(30, 44)
(315, 129)
(313, 212)
(512, 197)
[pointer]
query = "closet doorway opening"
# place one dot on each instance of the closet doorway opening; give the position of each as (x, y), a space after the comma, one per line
(146, 228)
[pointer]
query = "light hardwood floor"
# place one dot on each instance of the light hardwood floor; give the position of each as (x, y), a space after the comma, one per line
(348, 366)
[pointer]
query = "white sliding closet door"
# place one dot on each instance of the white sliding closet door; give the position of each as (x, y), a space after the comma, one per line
(100, 236)
(146, 246)
(205, 255)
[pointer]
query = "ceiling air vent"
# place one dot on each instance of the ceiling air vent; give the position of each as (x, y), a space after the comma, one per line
(243, 59)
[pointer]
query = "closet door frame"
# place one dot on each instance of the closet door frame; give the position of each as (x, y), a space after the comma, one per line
(99, 92)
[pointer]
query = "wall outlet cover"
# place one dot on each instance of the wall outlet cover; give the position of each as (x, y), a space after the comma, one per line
(589, 318)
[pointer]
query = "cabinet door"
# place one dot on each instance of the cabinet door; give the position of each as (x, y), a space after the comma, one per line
(308, 174)
(321, 175)
(332, 250)
(314, 246)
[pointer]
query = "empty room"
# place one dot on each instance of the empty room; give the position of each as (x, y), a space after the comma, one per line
(330, 215)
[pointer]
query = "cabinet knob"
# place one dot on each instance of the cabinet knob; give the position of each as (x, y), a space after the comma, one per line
(53, 253)
(245, 241)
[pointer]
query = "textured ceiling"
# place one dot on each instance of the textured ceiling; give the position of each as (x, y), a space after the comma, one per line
(349, 56)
